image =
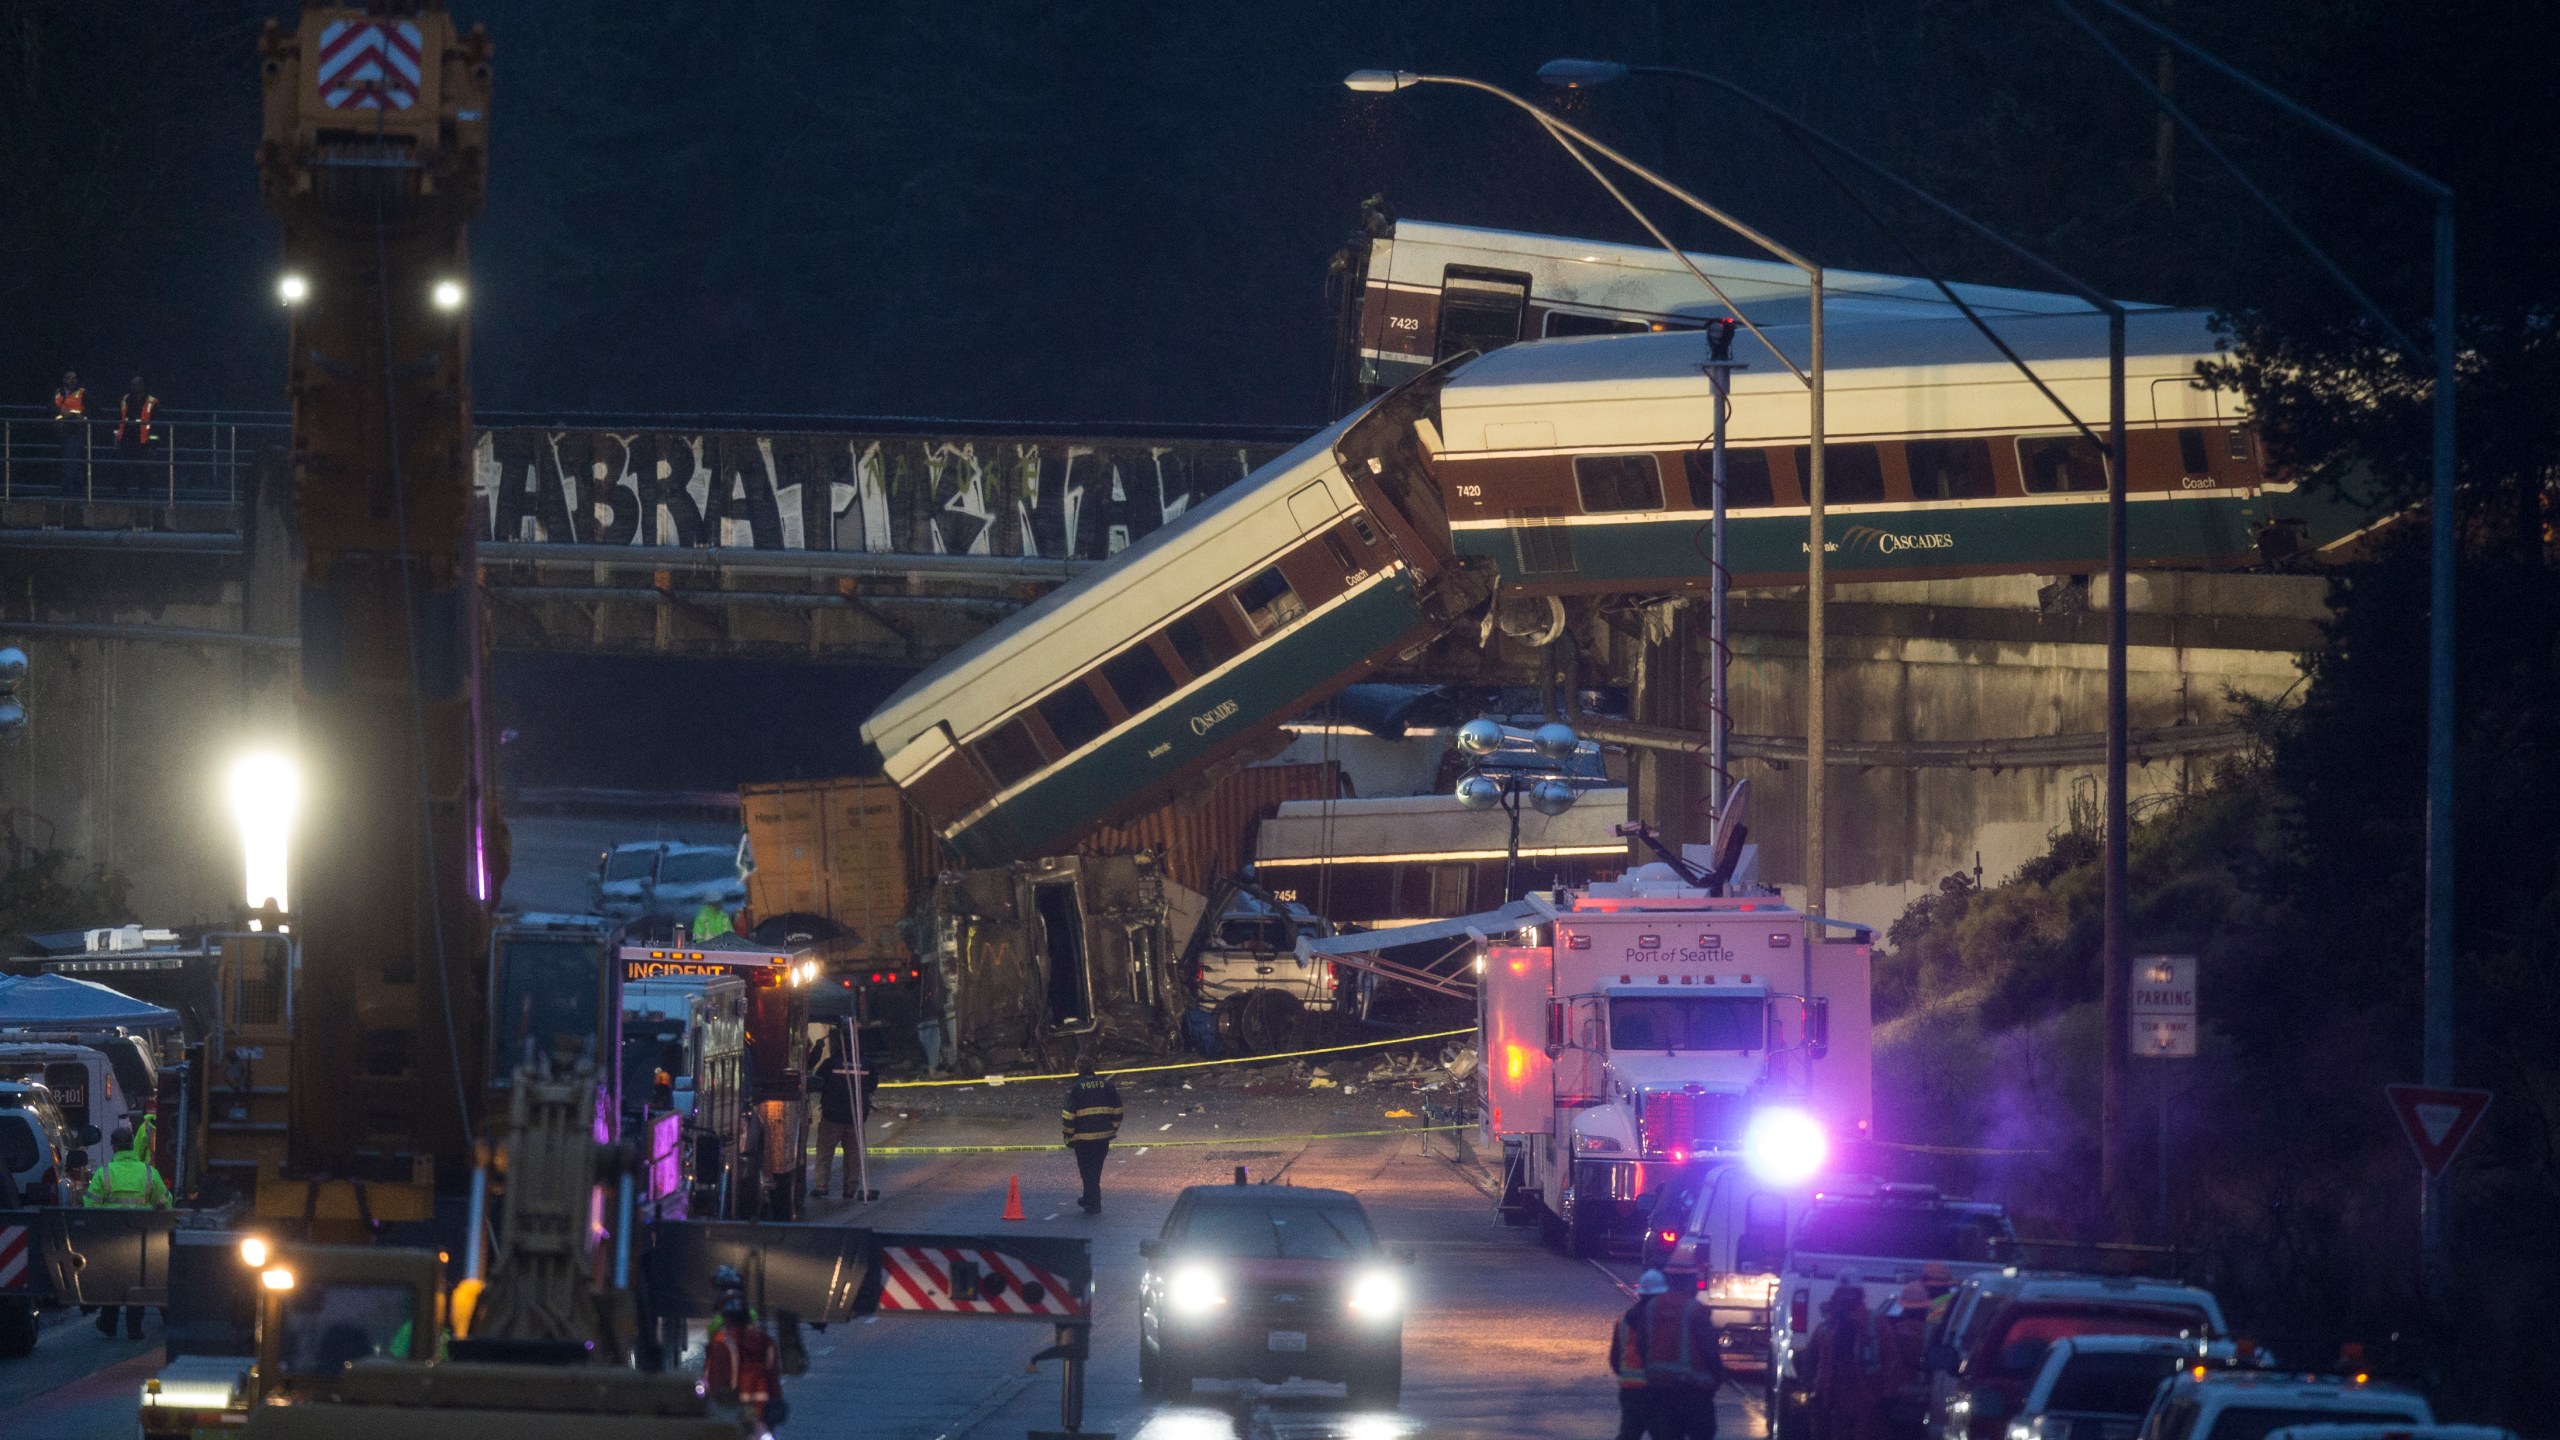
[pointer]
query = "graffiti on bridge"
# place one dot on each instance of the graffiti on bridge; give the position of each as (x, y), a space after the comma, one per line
(900, 495)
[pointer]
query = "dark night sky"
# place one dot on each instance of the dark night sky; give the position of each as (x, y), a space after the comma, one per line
(1060, 211)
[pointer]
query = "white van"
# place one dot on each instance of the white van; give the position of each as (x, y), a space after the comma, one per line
(1729, 1228)
(82, 1079)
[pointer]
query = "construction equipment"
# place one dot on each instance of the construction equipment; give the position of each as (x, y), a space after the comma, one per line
(374, 155)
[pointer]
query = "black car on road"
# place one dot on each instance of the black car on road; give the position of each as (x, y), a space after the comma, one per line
(1271, 1282)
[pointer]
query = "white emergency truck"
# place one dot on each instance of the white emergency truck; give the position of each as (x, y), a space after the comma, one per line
(1633, 1027)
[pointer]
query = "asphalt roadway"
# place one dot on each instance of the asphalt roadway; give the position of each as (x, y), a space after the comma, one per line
(1503, 1337)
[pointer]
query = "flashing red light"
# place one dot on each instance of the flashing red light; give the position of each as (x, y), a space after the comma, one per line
(1670, 1237)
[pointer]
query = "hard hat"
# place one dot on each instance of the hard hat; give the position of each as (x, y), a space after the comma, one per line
(1651, 1282)
(1936, 1273)
(728, 1278)
(1915, 1295)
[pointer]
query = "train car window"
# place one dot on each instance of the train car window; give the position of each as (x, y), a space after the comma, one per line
(1268, 601)
(1480, 309)
(1565, 322)
(1851, 474)
(1009, 753)
(1137, 677)
(1202, 640)
(1612, 484)
(1074, 716)
(1949, 469)
(1746, 480)
(2054, 464)
(2191, 452)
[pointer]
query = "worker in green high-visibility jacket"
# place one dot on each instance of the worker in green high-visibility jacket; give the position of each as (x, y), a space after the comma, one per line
(710, 922)
(127, 1182)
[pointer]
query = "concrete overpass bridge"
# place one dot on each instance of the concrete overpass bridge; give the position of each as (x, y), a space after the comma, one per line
(796, 538)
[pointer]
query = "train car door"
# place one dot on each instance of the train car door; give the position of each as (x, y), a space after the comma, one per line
(1480, 309)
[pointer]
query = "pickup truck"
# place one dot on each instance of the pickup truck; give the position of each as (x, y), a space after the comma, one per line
(1877, 1237)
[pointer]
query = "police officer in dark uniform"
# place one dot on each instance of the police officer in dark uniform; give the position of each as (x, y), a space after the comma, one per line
(1090, 1120)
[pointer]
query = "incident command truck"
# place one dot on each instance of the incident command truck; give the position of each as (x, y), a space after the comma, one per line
(1636, 1026)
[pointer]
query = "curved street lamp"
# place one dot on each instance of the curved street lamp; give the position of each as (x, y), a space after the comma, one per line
(1575, 141)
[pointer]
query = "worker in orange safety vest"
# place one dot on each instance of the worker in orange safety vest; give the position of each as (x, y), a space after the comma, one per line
(1668, 1367)
(133, 435)
(741, 1366)
(71, 429)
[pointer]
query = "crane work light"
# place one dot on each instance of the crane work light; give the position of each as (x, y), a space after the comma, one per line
(266, 792)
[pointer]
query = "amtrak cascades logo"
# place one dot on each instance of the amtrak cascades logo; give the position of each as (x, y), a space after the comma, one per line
(1206, 720)
(1869, 539)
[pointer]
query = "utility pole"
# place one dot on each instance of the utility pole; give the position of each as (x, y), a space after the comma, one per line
(1817, 599)
(2115, 1141)
(2436, 1058)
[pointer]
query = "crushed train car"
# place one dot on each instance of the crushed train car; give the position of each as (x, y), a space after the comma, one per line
(1045, 957)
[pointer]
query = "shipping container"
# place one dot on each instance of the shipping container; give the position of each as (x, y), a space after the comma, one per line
(849, 850)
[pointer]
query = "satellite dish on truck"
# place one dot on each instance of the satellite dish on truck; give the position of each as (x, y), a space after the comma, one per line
(1726, 846)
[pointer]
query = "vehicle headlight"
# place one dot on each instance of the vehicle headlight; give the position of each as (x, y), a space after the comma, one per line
(1194, 1290)
(2024, 1430)
(1737, 1289)
(1597, 1144)
(1377, 1294)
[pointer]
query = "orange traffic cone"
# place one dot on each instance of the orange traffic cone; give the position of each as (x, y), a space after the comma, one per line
(1012, 1197)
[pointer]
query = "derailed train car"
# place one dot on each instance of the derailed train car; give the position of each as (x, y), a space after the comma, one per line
(1183, 655)
(1578, 466)
(1045, 957)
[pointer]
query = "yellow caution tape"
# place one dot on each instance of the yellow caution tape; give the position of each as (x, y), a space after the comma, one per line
(1185, 1065)
(1154, 1144)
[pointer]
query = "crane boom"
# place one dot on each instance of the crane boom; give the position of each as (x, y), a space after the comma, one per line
(374, 155)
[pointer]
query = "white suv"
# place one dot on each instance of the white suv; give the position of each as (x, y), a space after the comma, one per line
(2206, 1404)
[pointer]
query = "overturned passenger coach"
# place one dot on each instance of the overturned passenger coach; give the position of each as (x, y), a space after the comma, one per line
(1185, 653)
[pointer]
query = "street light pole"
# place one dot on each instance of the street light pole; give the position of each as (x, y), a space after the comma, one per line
(2115, 1044)
(1817, 753)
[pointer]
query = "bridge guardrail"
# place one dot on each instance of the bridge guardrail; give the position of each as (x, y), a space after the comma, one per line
(195, 458)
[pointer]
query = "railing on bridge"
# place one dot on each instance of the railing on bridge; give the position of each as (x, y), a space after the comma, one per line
(196, 460)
